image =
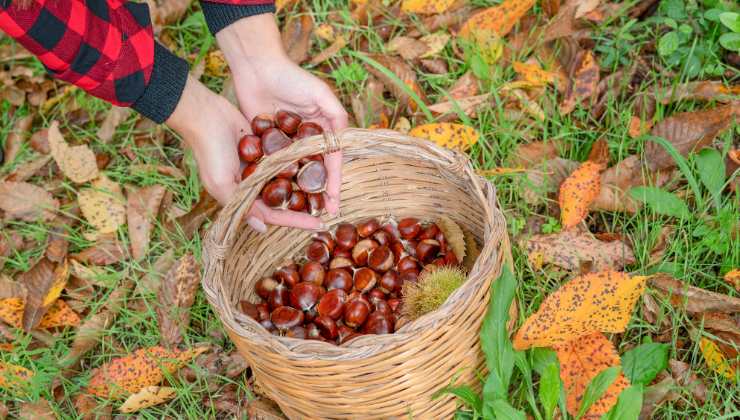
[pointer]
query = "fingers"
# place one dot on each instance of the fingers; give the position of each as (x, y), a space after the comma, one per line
(289, 218)
(332, 110)
(333, 164)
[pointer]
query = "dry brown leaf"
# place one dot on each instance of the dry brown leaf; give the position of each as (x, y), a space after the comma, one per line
(24, 201)
(26, 170)
(638, 127)
(617, 180)
(571, 249)
(687, 131)
(39, 141)
(264, 409)
(368, 105)
(704, 90)
(39, 410)
(452, 136)
(468, 106)
(11, 289)
(176, 296)
(76, 162)
(595, 302)
(57, 244)
(330, 51)
(584, 81)
(44, 283)
(465, 87)
(563, 24)
(656, 395)
(528, 155)
(15, 138)
(160, 169)
(142, 207)
(407, 47)
(88, 407)
(580, 361)
(102, 205)
(404, 72)
(296, 37)
(683, 375)
(206, 208)
(107, 250)
(148, 397)
(151, 281)
(447, 20)
(435, 66)
(499, 20)
(694, 299)
(112, 120)
(546, 178)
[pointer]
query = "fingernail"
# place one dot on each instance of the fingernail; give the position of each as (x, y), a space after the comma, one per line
(257, 224)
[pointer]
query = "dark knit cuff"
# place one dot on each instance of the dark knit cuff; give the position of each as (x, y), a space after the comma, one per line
(166, 84)
(219, 15)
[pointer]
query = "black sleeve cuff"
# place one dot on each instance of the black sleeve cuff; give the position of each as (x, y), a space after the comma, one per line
(166, 84)
(219, 15)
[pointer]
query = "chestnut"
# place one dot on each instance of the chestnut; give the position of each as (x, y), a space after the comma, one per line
(315, 204)
(249, 309)
(380, 259)
(249, 170)
(312, 331)
(392, 230)
(308, 129)
(390, 282)
(285, 317)
(313, 272)
(312, 177)
(395, 304)
(382, 238)
(280, 296)
(361, 250)
(346, 235)
(439, 262)
(367, 227)
(429, 232)
(318, 251)
(288, 275)
(338, 278)
(409, 275)
(356, 312)
(407, 263)
(332, 304)
(310, 314)
(274, 140)
(297, 201)
(296, 332)
(261, 123)
(318, 158)
(250, 148)
(365, 279)
(277, 192)
(305, 295)
(341, 262)
(345, 253)
(408, 228)
(375, 295)
(289, 172)
(327, 327)
(451, 258)
(265, 286)
(383, 307)
(398, 251)
(263, 311)
(378, 323)
(287, 121)
(427, 250)
(267, 324)
(410, 247)
(327, 239)
(343, 332)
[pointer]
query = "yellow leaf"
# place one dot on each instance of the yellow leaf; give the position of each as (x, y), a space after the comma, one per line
(585, 83)
(435, 43)
(325, 32)
(452, 136)
(61, 274)
(148, 397)
(589, 303)
(533, 74)
(498, 19)
(488, 44)
(76, 162)
(580, 361)
(13, 376)
(216, 64)
(59, 314)
(577, 193)
(733, 277)
(426, 7)
(715, 359)
(103, 205)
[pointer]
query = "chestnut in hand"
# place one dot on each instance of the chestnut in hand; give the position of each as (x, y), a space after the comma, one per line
(289, 172)
(276, 193)
(288, 121)
(261, 123)
(250, 148)
(249, 170)
(308, 129)
(315, 204)
(274, 140)
(312, 177)
(298, 201)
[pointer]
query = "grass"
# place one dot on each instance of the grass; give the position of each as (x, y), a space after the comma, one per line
(701, 248)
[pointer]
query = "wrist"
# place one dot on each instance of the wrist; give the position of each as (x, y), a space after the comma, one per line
(251, 41)
(190, 112)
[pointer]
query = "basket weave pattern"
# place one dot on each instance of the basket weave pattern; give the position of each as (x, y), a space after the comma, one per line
(375, 376)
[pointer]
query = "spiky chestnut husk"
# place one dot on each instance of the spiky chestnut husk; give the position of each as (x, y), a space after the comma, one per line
(430, 291)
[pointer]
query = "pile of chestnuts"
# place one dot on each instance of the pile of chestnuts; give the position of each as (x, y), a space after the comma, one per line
(350, 282)
(298, 187)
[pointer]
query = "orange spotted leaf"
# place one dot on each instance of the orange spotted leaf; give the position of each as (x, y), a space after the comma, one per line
(733, 277)
(59, 314)
(498, 19)
(716, 360)
(580, 361)
(13, 376)
(589, 303)
(577, 193)
(426, 7)
(533, 75)
(449, 135)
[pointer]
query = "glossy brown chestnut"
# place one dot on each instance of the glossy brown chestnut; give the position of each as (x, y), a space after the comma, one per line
(285, 317)
(409, 228)
(407, 263)
(274, 140)
(250, 148)
(250, 309)
(263, 310)
(261, 123)
(361, 251)
(296, 332)
(398, 251)
(298, 201)
(427, 250)
(439, 262)
(289, 172)
(280, 296)
(327, 327)
(338, 278)
(429, 232)
(308, 129)
(365, 279)
(392, 230)
(367, 227)
(356, 312)
(318, 251)
(410, 247)
(288, 275)
(380, 259)
(341, 262)
(249, 170)
(344, 332)
(313, 272)
(315, 204)
(327, 239)
(451, 258)
(265, 286)
(382, 238)
(287, 121)
(390, 282)
(409, 275)
(375, 295)
(312, 177)
(378, 323)
(395, 304)
(332, 304)
(346, 253)
(346, 235)
(312, 331)
(305, 295)
(277, 193)
(383, 307)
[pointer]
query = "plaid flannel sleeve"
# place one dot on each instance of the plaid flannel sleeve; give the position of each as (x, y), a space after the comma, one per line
(222, 13)
(105, 47)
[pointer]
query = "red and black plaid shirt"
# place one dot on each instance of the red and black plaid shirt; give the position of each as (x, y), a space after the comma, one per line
(107, 47)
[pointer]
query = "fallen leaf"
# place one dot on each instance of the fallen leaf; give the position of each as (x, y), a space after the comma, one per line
(452, 136)
(141, 208)
(112, 120)
(499, 171)
(694, 299)
(89, 408)
(435, 43)
(102, 205)
(638, 127)
(407, 47)
(466, 86)
(11, 289)
(39, 141)
(206, 208)
(148, 397)
(405, 73)
(107, 250)
(13, 377)
(617, 181)
(468, 106)
(76, 162)
(704, 90)
(176, 296)
(656, 395)
(577, 193)
(580, 361)
(715, 359)
(325, 31)
(435, 66)
(584, 82)
(682, 373)
(45, 284)
(528, 155)
(57, 245)
(570, 249)
(403, 125)
(15, 138)
(39, 410)
(589, 303)
(296, 37)
(687, 131)
(733, 277)
(58, 315)
(533, 74)
(497, 19)
(330, 51)
(160, 169)
(283, 4)
(24, 201)
(151, 281)
(28, 169)
(263, 408)
(426, 7)
(447, 20)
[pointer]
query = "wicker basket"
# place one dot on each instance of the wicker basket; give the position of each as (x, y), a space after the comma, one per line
(373, 376)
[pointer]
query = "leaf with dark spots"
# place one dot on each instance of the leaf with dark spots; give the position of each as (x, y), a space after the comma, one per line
(694, 299)
(584, 82)
(571, 249)
(296, 37)
(45, 283)
(176, 296)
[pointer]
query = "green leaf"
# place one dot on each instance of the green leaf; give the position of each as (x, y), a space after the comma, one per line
(628, 405)
(668, 43)
(549, 389)
(465, 393)
(503, 410)
(731, 20)
(598, 386)
(643, 363)
(542, 357)
(661, 201)
(712, 172)
(494, 338)
(730, 41)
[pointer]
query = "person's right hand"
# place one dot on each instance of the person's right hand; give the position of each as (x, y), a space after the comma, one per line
(212, 127)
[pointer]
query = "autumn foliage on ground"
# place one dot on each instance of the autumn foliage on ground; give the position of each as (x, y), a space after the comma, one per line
(609, 129)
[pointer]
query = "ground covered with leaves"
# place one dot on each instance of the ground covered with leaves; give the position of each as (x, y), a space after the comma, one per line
(609, 129)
